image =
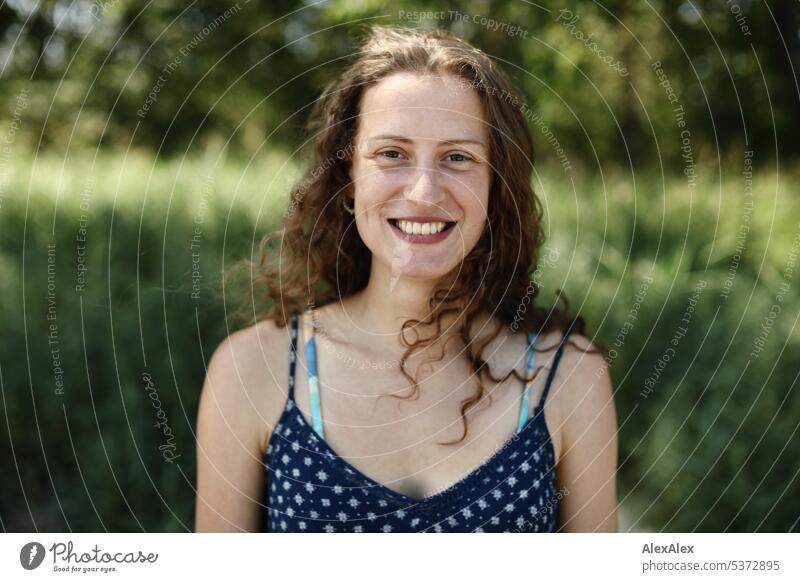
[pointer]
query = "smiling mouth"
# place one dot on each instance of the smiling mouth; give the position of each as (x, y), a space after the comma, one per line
(421, 228)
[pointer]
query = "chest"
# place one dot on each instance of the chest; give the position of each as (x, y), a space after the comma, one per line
(311, 488)
(397, 436)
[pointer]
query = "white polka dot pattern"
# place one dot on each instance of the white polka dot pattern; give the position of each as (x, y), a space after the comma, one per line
(311, 489)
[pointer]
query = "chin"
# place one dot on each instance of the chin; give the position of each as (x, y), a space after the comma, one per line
(421, 274)
(423, 270)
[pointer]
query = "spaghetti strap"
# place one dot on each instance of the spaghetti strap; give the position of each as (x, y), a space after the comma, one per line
(313, 380)
(530, 359)
(293, 355)
(556, 360)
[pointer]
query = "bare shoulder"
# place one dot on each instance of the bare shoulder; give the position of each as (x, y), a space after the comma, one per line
(587, 465)
(582, 359)
(240, 403)
(582, 378)
(582, 391)
(259, 348)
(247, 376)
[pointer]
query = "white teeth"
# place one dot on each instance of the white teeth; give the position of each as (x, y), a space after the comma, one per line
(421, 228)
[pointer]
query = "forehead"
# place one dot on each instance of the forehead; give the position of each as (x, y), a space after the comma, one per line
(425, 106)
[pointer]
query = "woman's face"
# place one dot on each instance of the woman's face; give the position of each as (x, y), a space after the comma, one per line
(421, 174)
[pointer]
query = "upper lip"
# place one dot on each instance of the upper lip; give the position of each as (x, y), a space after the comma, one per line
(422, 218)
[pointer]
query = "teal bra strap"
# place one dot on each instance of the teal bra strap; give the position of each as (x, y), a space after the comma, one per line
(313, 385)
(530, 359)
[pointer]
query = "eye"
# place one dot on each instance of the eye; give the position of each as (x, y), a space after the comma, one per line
(390, 154)
(461, 157)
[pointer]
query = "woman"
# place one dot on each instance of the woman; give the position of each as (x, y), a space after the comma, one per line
(404, 324)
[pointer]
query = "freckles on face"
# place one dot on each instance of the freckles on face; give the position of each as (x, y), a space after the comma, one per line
(421, 173)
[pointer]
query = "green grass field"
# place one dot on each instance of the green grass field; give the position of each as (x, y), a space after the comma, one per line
(681, 282)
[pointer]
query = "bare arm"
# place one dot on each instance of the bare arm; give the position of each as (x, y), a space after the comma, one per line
(230, 433)
(588, 466)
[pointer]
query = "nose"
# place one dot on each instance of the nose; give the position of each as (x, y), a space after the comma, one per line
(425, 187)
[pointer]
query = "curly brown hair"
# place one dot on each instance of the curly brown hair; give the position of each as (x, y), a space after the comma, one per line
(321, 260)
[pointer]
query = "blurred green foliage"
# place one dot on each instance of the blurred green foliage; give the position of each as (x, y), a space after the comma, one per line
(153, 121)
(247, 73)
(712, 447)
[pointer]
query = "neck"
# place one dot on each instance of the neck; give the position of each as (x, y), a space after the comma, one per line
(389, 300)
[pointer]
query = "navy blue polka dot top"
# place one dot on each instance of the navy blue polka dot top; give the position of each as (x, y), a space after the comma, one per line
(312, 489)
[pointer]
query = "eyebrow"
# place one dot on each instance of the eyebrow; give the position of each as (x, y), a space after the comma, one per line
(452, 141)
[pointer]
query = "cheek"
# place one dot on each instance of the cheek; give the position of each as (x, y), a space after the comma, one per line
(476, 210)
(474, 199)
(475, 228)
(369, 219)
(374, 187)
